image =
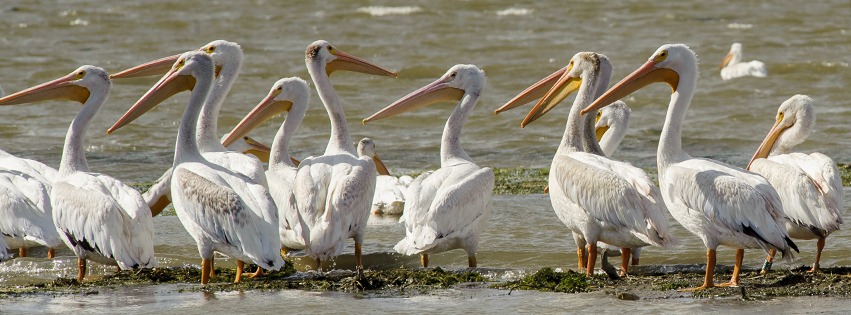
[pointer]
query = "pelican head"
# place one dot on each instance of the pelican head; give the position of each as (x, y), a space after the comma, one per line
(665, 65)
(733, 57)
(366, 147)
(182, 77)
(334, 59)
(222, 51)
(795, 119)
(611, 125)
(452, 86)
(247, 145)
(286, 95)
(581, 67)
(76, 86)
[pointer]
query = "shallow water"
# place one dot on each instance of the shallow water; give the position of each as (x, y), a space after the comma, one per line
(804, 45)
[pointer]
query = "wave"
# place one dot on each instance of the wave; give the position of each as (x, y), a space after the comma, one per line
(382, 11)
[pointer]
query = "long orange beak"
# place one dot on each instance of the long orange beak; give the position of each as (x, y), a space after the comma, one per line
(156, 67)
(348, 62)
(644, 76)
(268, 108)
(435, 92)
(379, 166)
(565, 86)
(767, 143)
(725, 61)
(536, 91)
(261, 151)
(168, 86)
(61, 88)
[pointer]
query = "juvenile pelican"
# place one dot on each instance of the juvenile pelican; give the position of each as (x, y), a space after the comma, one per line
(289, 95)
(721, 204)
(808, 184)
(333, 191)
(732, 67)
(222, 210)
(389, 192)
(447, 208)
(97, 216)
(598, 198)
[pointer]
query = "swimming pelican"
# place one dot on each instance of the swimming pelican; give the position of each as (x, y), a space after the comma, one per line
(809, 185)
(389, 192)
(721, 204)
(598, 198)
(447, 208)
(221, 209)
(333, 192)
(97, 216)
(732, 67)
(289, 95)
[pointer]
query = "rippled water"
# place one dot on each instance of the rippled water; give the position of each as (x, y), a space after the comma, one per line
(805, 46)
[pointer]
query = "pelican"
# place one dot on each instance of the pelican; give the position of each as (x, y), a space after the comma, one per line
(289, 95)
(222, 210)
(97, 216)
(598, 198)
(389, 191)
(333, 191)
(447, 208)
(4, 248)
(611, 125)
(227, 57)
(721, 204)
(809, 185)
(732, 67)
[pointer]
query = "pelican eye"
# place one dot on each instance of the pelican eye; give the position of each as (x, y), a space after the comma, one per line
(80, 74)
(661, 57)
(599, 114)
(211, 49)
(332, 50)
(245, 138)
(570, 66)
(779, 117)
(453, 75)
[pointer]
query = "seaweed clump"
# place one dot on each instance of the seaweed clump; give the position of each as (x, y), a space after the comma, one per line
(549, 280)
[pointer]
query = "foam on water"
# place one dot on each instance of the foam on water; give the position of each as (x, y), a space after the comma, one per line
(514, 11)
(382, 11)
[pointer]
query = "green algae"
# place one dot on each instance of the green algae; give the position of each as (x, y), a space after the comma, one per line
(549, 280)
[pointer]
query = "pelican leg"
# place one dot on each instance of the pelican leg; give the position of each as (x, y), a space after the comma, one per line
(471, 261)
(206, 270)
(634, 261)
(583, 259)
(117, 269)
(358, 255)
(51, 253)
(592, 258)
(625, 259)
(212, 267)
(259, 273)
(22, 252)
(766, 267)
(239, 265)
(424, 260)
(734, 281)
(318, 265)
(708, 281)
(820, 246)
(81, 264)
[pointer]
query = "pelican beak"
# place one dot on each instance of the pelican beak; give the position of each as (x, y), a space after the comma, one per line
(348, 62)
(268, 108)
(725, 61)
(379, 166)
(560, 90)
(61, 88)
(296, 162)
(435, 92)
(170, 84)
(644, 76)
(536, 91)
(261, 151)
(765, 148)
(157, 67)
(601, 131)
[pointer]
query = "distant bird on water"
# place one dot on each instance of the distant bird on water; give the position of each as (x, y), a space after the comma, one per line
(732, 67)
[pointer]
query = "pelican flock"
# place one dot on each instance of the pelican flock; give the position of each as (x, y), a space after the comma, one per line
(230, 202)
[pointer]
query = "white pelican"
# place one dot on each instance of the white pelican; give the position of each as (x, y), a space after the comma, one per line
(4, 248)
(228, 58)
(611, 125)
(732, 67)
(809, 185)
(333, 192)
(289, 95)
(221, 209)
(721, 204)
(598, 198)
(97, 216)
(389, 192)
(447, 208)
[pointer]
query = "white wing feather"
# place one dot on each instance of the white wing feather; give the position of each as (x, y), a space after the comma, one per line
(25, 210)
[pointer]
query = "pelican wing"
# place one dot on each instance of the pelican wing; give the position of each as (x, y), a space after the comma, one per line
(25, 210)
(247, 165)
(100, 214)
(290, 224)
(809, 186)
(613, 193)
(4, 250)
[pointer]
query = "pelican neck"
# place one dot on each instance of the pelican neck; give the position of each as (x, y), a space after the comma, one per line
(340, 141)
(280, 155)
(74, 152)
(575, 138)
(451, 152)
(207, 129)
(670, 143)
(186, 148)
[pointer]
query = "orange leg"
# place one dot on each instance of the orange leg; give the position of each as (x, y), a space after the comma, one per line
(206, 270)
(239, 265)
(22, 252)
(583, 260)
(766, 267)
(592, 258)
(710, 272)
(213, 266)
(258, 273)
(358, 255)
(820, 246)
(625, 259)
(51, 253)
(634, 261)
(471, 261)
(734, 281)
(424, 260)
(81, 264)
